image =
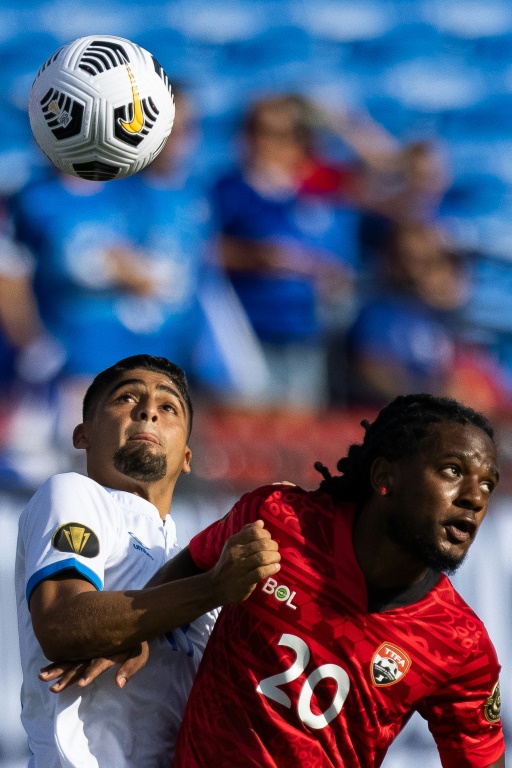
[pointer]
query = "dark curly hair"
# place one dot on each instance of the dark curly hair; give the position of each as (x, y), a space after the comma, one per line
(395, 433)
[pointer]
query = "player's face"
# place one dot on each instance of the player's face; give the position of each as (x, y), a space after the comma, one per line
(139, 429)
(441, 494)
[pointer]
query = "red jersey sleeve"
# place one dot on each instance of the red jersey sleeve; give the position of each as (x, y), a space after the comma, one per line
(464, 717)
(206, 547)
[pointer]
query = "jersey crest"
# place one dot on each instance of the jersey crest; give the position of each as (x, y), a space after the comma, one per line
(492, 706)
(76, 538)
(389, 665)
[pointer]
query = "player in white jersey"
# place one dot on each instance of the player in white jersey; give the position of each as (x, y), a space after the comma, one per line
(86, 548)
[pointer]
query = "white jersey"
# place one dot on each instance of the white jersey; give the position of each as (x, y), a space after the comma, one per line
(117, 541)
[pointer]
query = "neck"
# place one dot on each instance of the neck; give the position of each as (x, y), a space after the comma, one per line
(383, 562)
(160, 498)
(158, 493)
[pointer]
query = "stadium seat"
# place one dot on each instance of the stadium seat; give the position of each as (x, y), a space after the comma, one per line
(278, 46)
(474, 194)
(172, 49)
(434, 84)
(404, 42)
(345, 22)
(481, 18)
(218, 23)
(489, 119)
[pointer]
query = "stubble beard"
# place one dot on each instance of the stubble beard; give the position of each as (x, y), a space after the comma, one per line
(422, 544)
(140, 463)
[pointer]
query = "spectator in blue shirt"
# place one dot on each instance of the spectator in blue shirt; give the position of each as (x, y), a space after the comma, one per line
(290, 254)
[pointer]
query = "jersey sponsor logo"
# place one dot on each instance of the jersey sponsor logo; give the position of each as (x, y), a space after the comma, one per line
(281, 593)
(389, 664)
(492, 706)
(76, 538)
(138, 545)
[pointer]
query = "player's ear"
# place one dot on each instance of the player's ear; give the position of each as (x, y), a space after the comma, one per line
(381, 476)
(80, 436)
(186, 461)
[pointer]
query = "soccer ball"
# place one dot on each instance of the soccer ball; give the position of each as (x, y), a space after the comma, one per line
(101, 108)
(385, 670)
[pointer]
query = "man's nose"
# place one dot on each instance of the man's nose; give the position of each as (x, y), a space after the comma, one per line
(471, 495)
(147, 411)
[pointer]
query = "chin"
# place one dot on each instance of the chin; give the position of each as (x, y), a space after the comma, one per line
(443, 559)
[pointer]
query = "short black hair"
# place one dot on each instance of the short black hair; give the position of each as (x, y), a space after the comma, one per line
(395, 433)
(147, 363)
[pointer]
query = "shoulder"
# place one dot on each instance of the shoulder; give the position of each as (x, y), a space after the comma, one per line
(465, 625)
(72, 482)
(68, 488)
(278, 498)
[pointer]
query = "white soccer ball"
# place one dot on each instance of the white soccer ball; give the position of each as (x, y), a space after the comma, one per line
(101, 108)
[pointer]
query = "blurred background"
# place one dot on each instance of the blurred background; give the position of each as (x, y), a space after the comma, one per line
(327, 227)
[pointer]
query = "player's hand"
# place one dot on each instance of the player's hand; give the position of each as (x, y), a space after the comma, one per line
(247, 557)
(82, 673)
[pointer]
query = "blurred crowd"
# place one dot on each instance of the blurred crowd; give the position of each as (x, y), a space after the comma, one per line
(304, 258)
(315, 273)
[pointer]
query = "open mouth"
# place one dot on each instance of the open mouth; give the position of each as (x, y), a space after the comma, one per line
(459, 530)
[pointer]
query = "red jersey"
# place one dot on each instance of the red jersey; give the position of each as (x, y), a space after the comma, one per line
(302, 674)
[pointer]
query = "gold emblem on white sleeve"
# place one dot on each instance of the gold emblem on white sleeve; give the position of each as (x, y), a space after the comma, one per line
(76, 538)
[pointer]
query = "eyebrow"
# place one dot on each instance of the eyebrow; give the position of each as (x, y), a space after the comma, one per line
(463, 456)
(160, 387)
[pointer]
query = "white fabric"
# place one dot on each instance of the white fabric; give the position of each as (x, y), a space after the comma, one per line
(102, 726)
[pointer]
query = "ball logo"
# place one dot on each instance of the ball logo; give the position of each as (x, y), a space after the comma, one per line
(63, 117)
(136, 124)
(389, 665)
(63, 114)
(134, 121)
(281, 593)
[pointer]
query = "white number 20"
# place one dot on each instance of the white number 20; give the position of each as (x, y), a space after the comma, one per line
(268, 686)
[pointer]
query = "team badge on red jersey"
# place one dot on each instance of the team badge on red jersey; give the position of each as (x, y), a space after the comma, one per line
(389, 664)
(492, 707)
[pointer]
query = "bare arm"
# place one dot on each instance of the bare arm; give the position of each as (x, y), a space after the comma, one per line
(499, 763)
(72, 620)
(180, 567)
(249, 256)
(18, 311)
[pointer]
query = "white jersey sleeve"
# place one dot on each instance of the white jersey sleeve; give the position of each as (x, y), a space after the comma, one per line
(69, 524)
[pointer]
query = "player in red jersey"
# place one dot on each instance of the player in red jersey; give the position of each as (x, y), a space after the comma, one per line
(324, 663)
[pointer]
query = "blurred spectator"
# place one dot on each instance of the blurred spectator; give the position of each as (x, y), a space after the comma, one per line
(30, 359)
(289, 251)
(77, 232)
(399, 184)
(403, 340)
(386, 179)
(168, 225)
(407, 183)
(117, 263)
(27, 351)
